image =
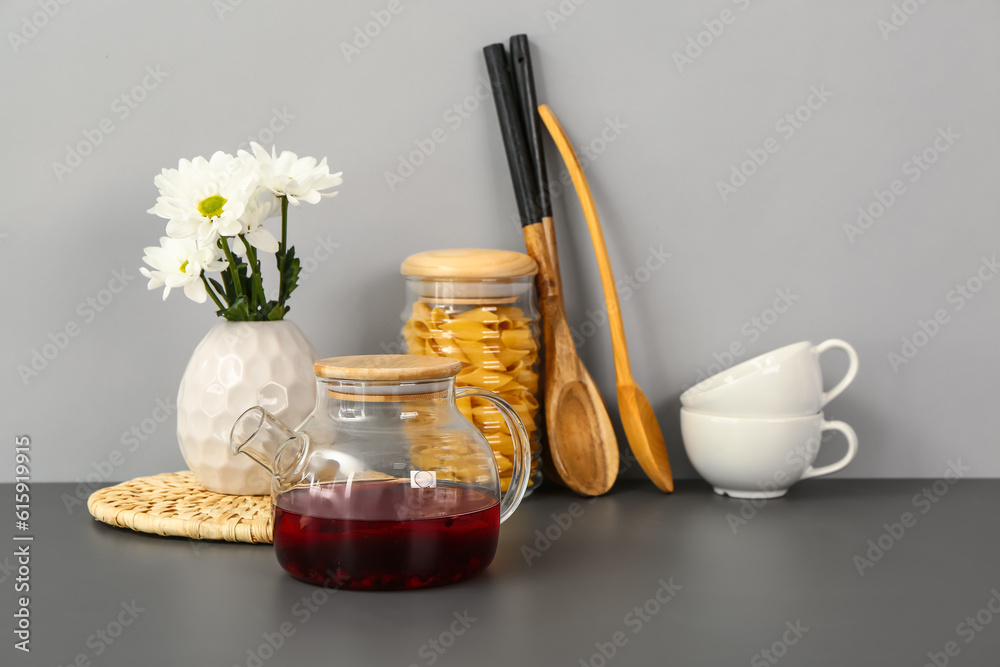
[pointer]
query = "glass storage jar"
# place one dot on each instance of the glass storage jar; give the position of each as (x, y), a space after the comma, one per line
(478, 306)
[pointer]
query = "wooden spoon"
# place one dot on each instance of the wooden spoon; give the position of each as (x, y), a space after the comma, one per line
(641, 428)
(581, 443)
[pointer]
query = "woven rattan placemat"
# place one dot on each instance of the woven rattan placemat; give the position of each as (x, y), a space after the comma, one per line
(174, 503)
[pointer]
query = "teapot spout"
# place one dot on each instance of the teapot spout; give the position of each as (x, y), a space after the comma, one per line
(267, 440)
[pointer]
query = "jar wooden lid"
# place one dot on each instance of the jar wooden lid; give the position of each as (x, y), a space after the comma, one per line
(387, 367)
(470, 263)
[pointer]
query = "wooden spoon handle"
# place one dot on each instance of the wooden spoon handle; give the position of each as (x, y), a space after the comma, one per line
(514, 142)
(623, 369)
(524, 81)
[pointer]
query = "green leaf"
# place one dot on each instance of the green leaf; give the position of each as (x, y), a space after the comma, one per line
(219, 288)
(276, 313)
(257, 285)
(227, 285)
(290, 273)
(237, 311)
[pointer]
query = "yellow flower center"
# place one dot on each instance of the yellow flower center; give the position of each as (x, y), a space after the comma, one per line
(211, 207)
(184, 266)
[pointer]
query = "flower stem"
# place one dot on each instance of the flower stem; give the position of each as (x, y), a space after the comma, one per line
(283, 252)
(237, 283)
(284, 224)
(256, 281)
(211, 292)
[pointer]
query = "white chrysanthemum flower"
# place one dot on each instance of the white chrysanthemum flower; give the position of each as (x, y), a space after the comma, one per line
(204, 199)
(179, 263)
(257, 211)
(288, 175)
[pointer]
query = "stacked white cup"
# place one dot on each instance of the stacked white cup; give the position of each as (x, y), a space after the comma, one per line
(754, 429)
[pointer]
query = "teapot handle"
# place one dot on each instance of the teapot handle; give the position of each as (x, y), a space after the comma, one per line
(522, 448)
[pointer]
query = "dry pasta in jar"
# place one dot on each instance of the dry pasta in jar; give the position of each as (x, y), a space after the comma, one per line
(478, 306)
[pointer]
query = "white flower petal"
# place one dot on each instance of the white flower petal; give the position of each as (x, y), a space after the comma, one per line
(293, 177)
(196, 291)
(263, 240)
(230, 227)
(182, 190)
(179, 263)
(311, 197)
(182, 228)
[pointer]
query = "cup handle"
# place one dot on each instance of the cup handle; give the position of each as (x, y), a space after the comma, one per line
(522, 449)
(852, 369)
(852, 449)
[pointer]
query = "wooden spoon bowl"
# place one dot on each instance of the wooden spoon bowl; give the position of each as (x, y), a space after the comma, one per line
(582, 444)
(642, 430)
(590, 469)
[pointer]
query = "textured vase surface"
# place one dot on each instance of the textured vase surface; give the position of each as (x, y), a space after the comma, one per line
(236, 366)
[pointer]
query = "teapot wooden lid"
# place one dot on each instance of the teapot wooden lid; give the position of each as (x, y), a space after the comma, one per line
(474, 263)
(387, 367)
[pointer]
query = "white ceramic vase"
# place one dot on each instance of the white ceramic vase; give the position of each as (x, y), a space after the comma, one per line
(236, 366)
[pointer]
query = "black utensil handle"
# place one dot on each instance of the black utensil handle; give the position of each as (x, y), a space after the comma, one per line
(514, 142)
(524, 80)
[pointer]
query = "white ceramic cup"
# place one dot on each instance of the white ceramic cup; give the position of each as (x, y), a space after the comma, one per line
(747, 457)
(785, 382)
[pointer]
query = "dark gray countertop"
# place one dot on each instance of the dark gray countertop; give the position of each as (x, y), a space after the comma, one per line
(786, 581)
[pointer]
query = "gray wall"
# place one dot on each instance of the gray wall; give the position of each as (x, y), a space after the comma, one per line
(227, 75)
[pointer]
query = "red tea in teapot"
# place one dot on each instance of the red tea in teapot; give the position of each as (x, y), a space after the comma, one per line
(360, 535)
(386, 485)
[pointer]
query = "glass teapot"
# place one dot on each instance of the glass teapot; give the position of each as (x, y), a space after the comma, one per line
(386, 485)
